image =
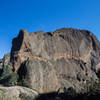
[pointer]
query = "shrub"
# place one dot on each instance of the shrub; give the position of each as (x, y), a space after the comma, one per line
(70, 91)
(92, 87)
(13, 77)
(5, 71)
(8, 77)
(24, 82)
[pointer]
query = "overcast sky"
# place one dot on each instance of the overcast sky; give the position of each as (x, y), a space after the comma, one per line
(47, 15)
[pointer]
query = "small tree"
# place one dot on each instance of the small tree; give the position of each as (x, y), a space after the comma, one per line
(5, 71)
(13, 77)
(8, 77)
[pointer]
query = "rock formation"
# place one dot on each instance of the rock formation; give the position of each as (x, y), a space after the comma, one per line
(17, 93)
(5, 60)
(56, 60)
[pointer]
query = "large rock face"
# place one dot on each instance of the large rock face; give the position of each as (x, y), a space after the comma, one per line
(56, 60)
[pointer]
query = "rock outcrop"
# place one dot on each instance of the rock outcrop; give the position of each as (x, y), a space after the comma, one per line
(5, 60)
(57, 60)
(17, 93)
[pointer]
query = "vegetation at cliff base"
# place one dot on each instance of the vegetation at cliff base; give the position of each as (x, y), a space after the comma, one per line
(8, 77)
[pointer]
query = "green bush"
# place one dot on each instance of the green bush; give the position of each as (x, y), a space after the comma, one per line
(92, 87)
(24, 82)
(5, 71)
(8, 77)
(13, 77)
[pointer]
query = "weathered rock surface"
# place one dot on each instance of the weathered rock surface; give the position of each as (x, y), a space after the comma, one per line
(5, 60)
(56, 60)
(17, 93)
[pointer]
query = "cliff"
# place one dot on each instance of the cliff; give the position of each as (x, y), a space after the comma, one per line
(55, 61)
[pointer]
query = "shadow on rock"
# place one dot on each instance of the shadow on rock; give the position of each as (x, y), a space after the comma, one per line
(64, 96)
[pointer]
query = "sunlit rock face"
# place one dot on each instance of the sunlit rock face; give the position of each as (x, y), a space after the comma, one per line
(17, 93)
(56, 60)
